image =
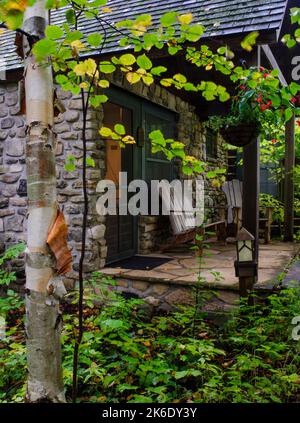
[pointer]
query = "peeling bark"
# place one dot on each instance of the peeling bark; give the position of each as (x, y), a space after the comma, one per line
(44, 288)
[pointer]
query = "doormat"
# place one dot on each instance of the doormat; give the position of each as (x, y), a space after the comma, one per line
(140, 263)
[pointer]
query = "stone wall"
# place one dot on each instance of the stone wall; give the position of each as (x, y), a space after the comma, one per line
(12, 172)
(13, 203)
(167, 295)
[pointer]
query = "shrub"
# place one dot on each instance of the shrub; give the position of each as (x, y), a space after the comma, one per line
(127, 356)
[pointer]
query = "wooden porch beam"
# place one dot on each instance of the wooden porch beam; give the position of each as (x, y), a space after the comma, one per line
(251, 188)
(273, 62)
(289, 180)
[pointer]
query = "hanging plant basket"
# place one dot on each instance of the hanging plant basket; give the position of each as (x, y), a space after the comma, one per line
(241, 134)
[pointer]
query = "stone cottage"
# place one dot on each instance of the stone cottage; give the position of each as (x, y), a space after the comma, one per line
(141, 109)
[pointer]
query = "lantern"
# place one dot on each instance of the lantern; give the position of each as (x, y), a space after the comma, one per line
(245, 265)
(245, 246)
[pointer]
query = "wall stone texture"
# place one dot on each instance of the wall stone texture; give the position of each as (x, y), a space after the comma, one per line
(168, 295)
(13, 201)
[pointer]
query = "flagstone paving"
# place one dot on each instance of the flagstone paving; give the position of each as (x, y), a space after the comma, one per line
(217, 266)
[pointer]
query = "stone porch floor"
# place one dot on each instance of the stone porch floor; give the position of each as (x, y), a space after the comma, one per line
(218, 267)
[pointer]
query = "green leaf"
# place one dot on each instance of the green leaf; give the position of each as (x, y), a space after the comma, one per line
(189, 87)
(172, 50)
(94, 40)
(222, 50)
(97, 3)
(158, 70)
(90, 162)
(187, 170)
(194, 33)
(74, 36)
(133, 77)
(276, 100)
(54, 32)
(177, 145)
(70, 16)
(127, 59)
(61, 79)
(294, 88)
(185, 19)
(107, 67)
(288, 114)
(224, 97)
(211, 174)
(119, 129)
(112, 324)
(169, 19)
(105, 132)
(156, 135)
(144, 62)
(44, 48)
(70, 164)
(181, 374)
(180, 78)
(96, 100)
(249, 41)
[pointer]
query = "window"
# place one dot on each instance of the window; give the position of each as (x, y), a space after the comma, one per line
(157, 166)
(211, 144)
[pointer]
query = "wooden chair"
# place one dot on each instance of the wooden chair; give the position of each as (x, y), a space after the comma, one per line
(184, 223)
(234, 195)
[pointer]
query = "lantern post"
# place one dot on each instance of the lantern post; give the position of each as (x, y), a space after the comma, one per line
(246, 264)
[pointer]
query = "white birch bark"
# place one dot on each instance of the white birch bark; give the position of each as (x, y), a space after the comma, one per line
(42, 305)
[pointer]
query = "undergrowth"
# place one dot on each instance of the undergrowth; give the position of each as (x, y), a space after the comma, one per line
(129, 355)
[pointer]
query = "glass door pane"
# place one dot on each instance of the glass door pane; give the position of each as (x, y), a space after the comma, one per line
(120, 230)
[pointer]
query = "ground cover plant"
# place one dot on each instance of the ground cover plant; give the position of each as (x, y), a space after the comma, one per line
(132, 354)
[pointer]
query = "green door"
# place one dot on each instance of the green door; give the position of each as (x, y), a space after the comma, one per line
(139, 117)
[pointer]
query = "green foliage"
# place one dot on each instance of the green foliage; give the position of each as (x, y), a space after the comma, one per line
(128, 355)
(66, 49)
(11, 12)
(250, 40)
(6, 277)
(292, 39)
(12, 334)
(260, 100)
(176, 150)
(267, 200)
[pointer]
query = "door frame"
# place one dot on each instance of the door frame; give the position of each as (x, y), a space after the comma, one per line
(140, 106)
(124, 99)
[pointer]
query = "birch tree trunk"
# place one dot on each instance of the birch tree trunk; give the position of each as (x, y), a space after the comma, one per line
(44, 288)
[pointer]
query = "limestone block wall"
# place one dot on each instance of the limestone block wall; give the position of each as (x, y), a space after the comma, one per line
(12, 171)
(168, 295)
(13, 200)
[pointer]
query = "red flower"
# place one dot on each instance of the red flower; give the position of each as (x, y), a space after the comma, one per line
(242, 87)
(259, 99)
(298, 122)
(274, 141)
(264, 107)
(293, 100)
(261, 69)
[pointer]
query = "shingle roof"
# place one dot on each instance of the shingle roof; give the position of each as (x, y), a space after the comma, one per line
(220, 18)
